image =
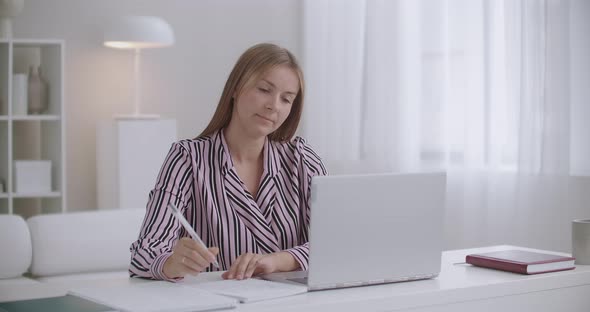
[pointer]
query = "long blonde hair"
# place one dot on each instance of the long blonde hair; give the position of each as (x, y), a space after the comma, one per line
(248, 69)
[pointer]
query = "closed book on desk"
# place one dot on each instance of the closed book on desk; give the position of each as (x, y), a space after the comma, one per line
(520, 261)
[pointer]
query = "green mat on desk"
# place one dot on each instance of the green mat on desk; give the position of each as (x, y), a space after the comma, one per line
(62, 304)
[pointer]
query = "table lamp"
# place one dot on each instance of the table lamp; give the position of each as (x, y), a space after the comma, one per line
(138, 32)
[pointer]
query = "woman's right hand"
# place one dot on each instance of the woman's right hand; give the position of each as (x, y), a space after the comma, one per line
(188, 257)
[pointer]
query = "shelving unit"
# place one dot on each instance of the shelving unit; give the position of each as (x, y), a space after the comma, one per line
(32, 137)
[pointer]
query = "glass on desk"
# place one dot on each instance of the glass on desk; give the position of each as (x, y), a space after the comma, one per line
(581, 241)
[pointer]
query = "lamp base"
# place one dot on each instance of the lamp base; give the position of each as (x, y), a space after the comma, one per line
(137, 116)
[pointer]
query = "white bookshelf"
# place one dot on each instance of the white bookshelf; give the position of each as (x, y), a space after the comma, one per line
(32, 137)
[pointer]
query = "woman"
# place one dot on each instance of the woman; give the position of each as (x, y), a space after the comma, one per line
(243, 184)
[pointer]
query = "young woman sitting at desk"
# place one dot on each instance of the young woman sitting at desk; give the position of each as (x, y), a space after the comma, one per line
(243, 184)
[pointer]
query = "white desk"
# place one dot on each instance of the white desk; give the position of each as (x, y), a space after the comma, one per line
(460, 287)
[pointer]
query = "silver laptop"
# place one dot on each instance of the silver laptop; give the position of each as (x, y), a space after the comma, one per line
(373, 229)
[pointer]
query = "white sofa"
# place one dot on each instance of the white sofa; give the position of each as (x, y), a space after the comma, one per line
(69, 246)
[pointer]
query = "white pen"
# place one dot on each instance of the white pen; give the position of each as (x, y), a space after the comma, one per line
(189, 228)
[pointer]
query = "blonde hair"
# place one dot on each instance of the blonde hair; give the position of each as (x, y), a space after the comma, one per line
(248, 69)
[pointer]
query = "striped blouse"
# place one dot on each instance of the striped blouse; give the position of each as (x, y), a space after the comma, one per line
(199, 177)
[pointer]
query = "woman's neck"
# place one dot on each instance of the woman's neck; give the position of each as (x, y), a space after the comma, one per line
(243, 148)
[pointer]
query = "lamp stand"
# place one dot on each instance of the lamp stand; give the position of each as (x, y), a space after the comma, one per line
(137, 91)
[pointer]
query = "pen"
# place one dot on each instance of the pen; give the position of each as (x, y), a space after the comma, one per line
(189, 228)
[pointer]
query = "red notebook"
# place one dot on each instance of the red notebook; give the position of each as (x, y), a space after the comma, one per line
(520, 261)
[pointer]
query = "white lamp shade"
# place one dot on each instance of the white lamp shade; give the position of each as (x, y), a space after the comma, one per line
(138, 32)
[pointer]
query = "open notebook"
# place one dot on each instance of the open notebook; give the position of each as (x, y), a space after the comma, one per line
(155, 296)
(252, 289)
(187, 296)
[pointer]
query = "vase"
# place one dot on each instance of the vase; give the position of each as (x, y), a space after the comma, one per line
(37, 91)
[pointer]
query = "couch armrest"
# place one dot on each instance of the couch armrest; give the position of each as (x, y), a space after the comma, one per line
(15, 245)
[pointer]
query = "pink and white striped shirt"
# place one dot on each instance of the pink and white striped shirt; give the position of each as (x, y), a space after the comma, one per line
(199, 177)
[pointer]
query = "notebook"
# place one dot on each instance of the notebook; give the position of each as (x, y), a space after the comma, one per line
(252, 289)
(373, 229)
(155, 296)
(521, 261)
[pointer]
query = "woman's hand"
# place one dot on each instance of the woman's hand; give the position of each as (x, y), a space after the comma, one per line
(251, 264)
(188, 257)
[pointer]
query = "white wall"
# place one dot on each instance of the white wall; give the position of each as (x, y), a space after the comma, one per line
(182, 82)
(580, 85)
(185, 81)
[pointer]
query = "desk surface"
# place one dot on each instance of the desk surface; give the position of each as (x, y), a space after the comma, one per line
(457, 282)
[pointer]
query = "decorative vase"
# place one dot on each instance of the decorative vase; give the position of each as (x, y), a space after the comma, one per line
(38, 91)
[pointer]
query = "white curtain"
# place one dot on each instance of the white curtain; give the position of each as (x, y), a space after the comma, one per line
(477, 88)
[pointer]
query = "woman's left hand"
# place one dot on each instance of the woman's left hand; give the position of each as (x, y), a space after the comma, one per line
(251, 264)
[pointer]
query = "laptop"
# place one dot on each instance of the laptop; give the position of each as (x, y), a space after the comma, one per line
(373, 229)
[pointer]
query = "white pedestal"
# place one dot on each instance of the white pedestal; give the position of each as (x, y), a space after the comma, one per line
(129, 156)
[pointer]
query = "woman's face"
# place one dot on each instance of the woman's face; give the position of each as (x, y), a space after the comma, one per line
(261, 109)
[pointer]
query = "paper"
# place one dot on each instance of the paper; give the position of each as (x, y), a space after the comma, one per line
(155, 296)
(251, 289)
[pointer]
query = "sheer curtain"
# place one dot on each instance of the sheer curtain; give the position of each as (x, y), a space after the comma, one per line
(477, 88)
